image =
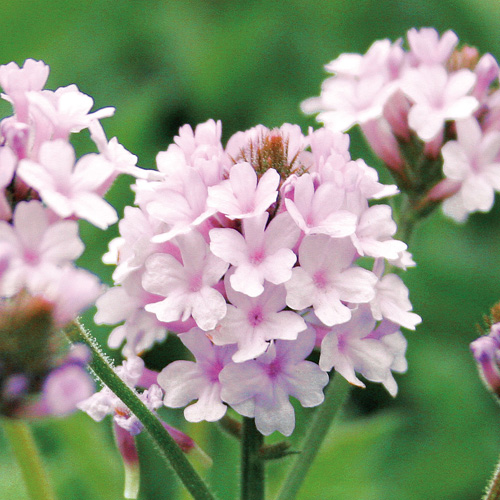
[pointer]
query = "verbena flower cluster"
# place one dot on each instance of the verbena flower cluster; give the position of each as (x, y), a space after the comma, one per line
(432, 101)
(255, 254)
(44, 190)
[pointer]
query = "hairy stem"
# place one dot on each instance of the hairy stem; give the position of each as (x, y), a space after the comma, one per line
(493, 488)
(26, 452)
(167, 447)
(252, 465)
(335, 396)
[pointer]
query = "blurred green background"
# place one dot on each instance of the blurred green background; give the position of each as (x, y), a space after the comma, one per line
(163, 64)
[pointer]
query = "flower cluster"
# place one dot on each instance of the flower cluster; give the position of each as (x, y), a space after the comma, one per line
(431, 113)
(44, 190)
(255, 254)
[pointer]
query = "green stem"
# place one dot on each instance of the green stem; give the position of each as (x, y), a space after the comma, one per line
(335, 396)
(27, 456)
(493, 491)
(252, 465)
(164, 442)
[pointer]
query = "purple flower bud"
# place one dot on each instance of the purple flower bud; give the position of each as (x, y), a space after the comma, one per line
(486, 351)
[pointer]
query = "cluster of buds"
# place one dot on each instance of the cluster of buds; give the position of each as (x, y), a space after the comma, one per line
(431, 113)
(43, 193)
(255, 254)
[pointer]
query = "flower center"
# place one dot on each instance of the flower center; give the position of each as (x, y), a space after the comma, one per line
(255, 316)
(320, 279)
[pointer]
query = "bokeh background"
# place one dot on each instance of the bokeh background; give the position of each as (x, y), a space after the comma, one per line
(166, 63)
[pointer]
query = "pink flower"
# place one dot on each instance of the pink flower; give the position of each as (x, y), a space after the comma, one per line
(187, 286)
(374, 233)
(253, 322)
(391, 302)
(261, 388)
(326, 279)
(240, 196)
(427, 48)
(32, 245)
(141, 329)
(354, 347)
(471, 162)
(318, 209)
(16, 82)
(67, 109)
(437, 96)
(258, 255)
(71, 291)
(184, 381)
(70, 189)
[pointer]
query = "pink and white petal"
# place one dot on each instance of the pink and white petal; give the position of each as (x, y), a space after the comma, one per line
(491, 174)
(282, 232)
(58, 158)
(280, 417)
(337, 225)
(241, 382)
(114, 306)
(456, 164)
(247, 279)
(285, 325)
(229, 245)
(426, 121)
(305, 382)
(31, 223)
(477, 194)
(61, 242)
(460, 83)
(90, 172)
(164, 273)
(267, 191)
(170, 309)
(330, 310)
(277, 268)
(300, 290)
(208, 308)
(36, 176)
(209, 406)
(182, 382)
(93, 208)
(462, 108)
(58, 202)
(356, 285)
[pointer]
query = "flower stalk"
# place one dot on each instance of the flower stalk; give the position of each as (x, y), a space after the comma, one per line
(252, 465)
(28, 458)
(335, 396)
(493, 489)
(166, 445)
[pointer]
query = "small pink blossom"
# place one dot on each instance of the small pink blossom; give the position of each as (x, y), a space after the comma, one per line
(70, 189)
(427, 48)
(67, 109)
(32, 244)
(326, 279)
(187, 286)
(261, 388)
(437, 96)
(184, 381)
(241, 196)
(353, 347)
(253, 322)
(471, 163)
(259, 254)
(318, 209)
